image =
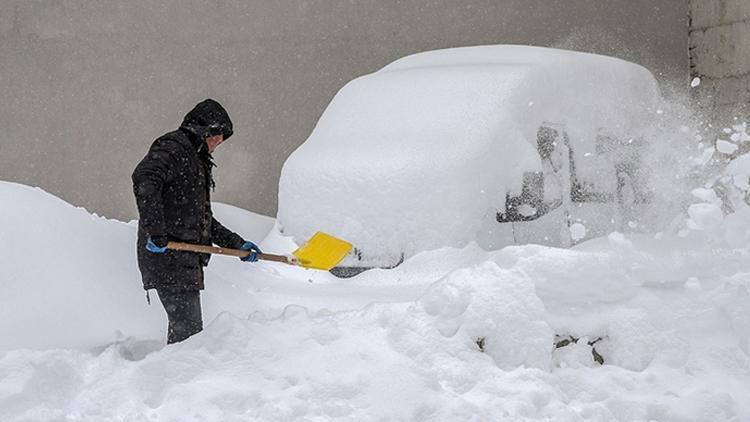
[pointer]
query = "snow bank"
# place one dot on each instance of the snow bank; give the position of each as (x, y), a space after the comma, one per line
(70, 279)
(67, 276)
(451, 334)
(495, 307)
(412, 157)
(476, 345)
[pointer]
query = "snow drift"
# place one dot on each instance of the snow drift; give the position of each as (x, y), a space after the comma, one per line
(70, 279)
(451, 334)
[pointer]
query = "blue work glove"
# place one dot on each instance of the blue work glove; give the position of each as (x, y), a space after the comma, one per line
(254, 251)
(157, 244)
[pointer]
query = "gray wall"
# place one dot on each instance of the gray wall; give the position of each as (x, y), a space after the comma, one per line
(720, 56)
(87, 85)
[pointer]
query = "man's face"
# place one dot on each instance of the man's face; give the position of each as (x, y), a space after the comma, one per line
(214, 141)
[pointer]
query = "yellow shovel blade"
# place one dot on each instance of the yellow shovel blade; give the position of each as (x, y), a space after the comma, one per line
(322, 251)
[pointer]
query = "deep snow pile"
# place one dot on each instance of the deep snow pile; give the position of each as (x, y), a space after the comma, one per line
(70, 279)
(460, 123)
(451, 334)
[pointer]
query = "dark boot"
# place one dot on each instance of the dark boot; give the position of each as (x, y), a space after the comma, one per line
(184, 313)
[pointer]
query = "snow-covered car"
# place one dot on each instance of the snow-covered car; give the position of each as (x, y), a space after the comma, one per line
(495, 144)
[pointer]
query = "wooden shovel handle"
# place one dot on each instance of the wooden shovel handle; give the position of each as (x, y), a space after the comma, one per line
(180, 246)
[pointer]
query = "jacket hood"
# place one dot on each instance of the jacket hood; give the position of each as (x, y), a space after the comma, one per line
(208, 118)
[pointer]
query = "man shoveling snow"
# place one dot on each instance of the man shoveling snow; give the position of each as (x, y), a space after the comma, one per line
(172, 189)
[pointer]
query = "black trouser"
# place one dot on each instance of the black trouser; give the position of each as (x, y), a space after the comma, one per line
(184, 313)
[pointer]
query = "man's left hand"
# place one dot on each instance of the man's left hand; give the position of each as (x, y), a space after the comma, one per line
(254, 251)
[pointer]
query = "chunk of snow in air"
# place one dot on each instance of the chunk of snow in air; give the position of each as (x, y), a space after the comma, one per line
(706, 195)
(706, 157)
(527, 210)
(704, 216)
(725, 147)
(577, 231)
(741, 182)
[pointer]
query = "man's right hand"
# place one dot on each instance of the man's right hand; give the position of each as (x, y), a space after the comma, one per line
(157, 244)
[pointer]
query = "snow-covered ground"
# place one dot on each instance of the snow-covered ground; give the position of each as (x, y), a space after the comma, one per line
(451, 334)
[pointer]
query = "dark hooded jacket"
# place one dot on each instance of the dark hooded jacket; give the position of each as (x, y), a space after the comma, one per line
(172, 186)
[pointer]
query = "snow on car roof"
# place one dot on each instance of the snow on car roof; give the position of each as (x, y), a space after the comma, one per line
(502, 54)
(592, 89)
(412, 156)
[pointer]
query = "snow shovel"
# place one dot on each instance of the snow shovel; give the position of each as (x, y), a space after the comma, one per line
(321, 252)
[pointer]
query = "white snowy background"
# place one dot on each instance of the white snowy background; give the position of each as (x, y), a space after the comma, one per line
(80, 343)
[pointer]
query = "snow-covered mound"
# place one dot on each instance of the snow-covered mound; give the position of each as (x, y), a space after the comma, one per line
(451, 334)
(413, 156)
(70, 279)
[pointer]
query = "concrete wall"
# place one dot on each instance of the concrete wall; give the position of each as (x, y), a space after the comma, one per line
(87, 85)
(720, 55)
